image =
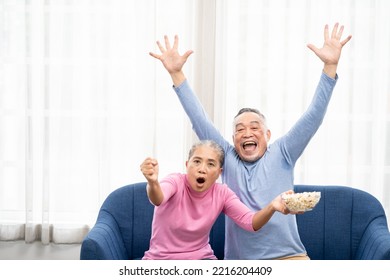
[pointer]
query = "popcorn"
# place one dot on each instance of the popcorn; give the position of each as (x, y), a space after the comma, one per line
(301, 202)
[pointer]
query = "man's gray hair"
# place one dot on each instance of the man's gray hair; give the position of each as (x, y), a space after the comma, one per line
(251, 110)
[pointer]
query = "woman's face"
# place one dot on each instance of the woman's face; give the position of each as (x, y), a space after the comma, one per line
(203, 168)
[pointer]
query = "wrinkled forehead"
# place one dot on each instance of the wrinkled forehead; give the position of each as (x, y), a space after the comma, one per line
(248, 118)
(206, 152)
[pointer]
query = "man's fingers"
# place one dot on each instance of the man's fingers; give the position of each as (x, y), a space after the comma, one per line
(176, 42)
(340, 33)
(312, 47)
(334, 31)
(167, 43)
(346, 40)
(160, 46)
(187, 54)
(326, 32)
(155, 55)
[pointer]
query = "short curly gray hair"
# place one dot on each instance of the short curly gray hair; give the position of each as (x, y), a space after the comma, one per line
(212, 144)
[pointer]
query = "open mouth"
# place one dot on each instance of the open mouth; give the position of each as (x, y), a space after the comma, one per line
(200, 180)
(250, 145)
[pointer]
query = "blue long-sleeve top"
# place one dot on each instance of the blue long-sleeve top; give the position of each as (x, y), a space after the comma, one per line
(257, 183)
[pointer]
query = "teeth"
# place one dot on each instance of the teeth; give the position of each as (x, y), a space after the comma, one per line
(249, 143)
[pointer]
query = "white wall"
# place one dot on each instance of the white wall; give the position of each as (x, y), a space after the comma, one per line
(19, 250)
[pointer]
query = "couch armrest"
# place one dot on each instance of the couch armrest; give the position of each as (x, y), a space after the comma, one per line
(375, 242)
(104, 241)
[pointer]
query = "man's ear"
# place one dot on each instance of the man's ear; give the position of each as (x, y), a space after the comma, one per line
(268, 135)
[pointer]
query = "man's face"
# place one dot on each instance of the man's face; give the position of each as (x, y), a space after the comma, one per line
(250, 136)
(203, 168)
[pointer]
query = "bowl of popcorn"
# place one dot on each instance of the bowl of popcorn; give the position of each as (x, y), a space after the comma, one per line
(301, 202)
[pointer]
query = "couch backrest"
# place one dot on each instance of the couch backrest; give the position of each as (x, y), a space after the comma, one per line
(333, 230)
(130, 207)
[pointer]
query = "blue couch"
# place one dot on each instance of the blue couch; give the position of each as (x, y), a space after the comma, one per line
(346, 224)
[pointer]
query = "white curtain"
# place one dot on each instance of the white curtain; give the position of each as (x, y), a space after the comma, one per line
(82, 103)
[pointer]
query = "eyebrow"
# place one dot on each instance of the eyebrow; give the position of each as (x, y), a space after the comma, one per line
(252, 122)
(209, 159)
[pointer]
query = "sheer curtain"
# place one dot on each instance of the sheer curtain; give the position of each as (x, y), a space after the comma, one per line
(82, 103)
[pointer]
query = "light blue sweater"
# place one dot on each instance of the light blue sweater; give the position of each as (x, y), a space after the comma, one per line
(257, 183)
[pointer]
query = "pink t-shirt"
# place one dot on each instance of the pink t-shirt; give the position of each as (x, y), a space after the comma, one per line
(182, 222)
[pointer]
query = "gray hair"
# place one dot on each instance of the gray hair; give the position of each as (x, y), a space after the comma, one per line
(211, 144)
(251, 110)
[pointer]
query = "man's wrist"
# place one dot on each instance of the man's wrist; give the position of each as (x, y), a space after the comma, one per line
(178, 78)
(330, 70)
